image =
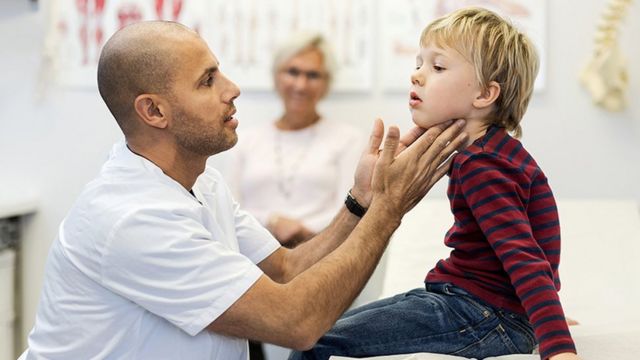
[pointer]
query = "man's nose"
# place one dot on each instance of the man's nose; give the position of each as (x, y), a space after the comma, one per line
(232, 93)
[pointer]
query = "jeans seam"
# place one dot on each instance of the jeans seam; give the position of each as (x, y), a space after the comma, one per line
(364, 347)
(479, 306)
(521, 328)
(445, 305)
(506, 339)
(501, 334)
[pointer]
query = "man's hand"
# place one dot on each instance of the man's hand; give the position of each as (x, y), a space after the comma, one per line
(362, 187)
(409, 167)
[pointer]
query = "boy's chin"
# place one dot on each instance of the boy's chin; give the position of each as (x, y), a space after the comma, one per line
(421, 122)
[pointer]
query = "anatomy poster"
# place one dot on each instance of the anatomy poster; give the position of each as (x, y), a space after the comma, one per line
(247, 32)
(402, 22)
(242, 33)
(79, 28)
(373, 40)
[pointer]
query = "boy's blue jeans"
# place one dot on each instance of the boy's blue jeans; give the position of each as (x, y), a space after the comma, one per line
(440, 319)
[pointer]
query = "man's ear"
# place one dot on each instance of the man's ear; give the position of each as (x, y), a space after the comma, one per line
(488, 96)
(151, 109)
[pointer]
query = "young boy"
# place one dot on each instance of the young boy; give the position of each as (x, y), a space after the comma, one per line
(497, 293)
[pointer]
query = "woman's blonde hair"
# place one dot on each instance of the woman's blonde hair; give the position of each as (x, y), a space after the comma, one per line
(498, 51)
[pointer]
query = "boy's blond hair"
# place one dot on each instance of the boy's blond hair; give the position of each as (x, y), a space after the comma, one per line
(498, 51)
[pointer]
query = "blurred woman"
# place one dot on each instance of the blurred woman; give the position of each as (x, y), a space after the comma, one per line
(294, 173)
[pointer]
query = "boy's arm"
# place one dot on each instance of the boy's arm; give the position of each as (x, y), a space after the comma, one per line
(499, 195)
(565, 356)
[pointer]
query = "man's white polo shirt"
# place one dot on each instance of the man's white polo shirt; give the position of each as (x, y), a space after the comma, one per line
(140, 267)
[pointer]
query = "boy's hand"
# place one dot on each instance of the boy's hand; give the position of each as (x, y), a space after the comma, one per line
(571, 322)
(565, 356)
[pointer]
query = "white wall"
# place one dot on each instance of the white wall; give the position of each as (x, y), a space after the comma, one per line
(55, 144)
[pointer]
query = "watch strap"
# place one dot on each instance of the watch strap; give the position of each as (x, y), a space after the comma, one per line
(354, 206)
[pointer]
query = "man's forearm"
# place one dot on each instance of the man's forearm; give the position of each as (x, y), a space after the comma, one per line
(324, 276)
(308, 253)
(295, 314)
(334, 282)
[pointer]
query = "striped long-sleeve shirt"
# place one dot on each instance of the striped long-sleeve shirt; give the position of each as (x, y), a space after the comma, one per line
(506, 236)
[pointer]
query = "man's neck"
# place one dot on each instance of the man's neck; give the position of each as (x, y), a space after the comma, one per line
(183, 168)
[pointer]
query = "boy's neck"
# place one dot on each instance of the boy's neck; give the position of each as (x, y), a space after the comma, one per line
(475, 128)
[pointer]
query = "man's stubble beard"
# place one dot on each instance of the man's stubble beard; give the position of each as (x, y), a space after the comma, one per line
(192, 134)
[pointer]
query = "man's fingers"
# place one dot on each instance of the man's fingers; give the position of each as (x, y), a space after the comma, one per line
(442, 148)
(390, 144)
(440, 172)
(434, 140)
(412, 135)
(376, 137)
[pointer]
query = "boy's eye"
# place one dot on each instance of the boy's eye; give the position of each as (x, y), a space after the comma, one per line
(438, 68)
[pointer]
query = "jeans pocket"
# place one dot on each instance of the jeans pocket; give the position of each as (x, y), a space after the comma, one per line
(520, 332)
(479, 311)
(496, 342)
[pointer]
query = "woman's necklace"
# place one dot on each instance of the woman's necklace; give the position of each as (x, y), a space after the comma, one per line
(286, 177)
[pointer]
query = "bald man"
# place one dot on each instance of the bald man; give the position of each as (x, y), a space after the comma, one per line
(155, 260)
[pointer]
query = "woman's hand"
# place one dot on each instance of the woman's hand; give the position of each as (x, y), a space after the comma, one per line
(288, 231)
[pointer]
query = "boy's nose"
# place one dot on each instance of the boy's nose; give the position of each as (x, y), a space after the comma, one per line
(417, 78)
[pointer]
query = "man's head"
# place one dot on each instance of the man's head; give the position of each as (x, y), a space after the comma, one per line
(500, 54)
(160, 80)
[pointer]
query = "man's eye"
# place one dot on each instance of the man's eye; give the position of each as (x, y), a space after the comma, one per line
(208, 81)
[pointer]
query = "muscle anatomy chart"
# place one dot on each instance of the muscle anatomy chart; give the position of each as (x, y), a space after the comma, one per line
(248, 31)
(244, 34)
(78, 29)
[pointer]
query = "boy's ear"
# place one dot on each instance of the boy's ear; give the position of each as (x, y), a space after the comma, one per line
(152, 110)
(488, 96)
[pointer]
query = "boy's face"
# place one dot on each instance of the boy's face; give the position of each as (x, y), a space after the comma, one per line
(443, 87)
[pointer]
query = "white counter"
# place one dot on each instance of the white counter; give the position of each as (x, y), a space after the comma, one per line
(15, 202)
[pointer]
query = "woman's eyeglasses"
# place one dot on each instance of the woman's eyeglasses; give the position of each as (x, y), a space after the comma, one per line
(311, 75)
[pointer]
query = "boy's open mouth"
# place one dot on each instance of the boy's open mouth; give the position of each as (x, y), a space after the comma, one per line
(414, 99)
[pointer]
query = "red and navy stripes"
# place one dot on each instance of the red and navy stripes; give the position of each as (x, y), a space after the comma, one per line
(506, 236)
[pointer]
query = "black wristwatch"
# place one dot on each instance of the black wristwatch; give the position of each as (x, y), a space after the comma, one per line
(353, 206)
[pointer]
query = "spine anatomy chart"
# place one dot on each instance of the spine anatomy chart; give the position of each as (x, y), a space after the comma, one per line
(605, 76)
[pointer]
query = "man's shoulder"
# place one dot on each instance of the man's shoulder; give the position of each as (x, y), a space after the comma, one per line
(114, 195)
